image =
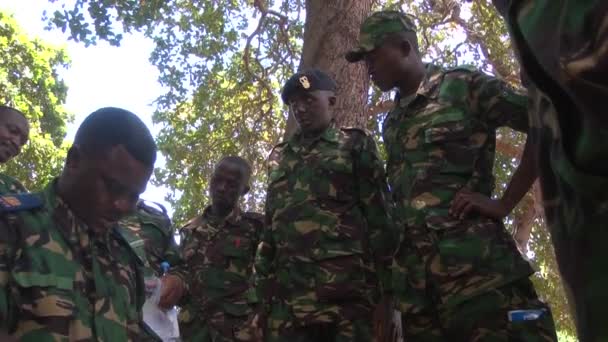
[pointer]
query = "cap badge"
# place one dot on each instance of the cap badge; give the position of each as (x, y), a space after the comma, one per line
(304, 81)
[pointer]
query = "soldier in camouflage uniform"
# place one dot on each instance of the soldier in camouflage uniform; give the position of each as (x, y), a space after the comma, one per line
(14, 133)
(218, 250)
(328, 239)
(150, 235)
(458, 273)
(66, 273)
(563, 49)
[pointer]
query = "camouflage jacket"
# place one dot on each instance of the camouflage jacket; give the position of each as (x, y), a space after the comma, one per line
(329, 232)
(218, 258)
(10, 185)
(59, 281)
(150, 235)
(439, 141)
(563, 49)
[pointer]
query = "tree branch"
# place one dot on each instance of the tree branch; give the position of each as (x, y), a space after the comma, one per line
(246, 55)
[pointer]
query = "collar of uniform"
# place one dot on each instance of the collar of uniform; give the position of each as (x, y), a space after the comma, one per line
(430, 81)
(63, 216)
(234, 218)
(330, 134)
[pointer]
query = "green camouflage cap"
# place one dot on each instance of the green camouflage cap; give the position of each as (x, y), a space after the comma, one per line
(375, 28)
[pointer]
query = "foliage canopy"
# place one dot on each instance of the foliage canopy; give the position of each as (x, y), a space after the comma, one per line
(30, 82)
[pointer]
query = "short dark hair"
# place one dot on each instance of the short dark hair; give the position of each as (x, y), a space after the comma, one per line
(5, 108)
(108, 127)
(241, 162)
(398, 37)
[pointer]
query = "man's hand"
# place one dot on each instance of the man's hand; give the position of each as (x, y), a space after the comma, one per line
(172, 290)
(466, 202)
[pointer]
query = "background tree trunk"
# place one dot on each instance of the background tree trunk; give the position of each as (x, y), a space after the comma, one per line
(330, 30)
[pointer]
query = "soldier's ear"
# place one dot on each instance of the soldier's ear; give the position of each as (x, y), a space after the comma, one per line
(406, 48)
(332, 100)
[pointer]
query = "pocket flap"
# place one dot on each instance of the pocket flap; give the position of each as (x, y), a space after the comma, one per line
(237, 246)
(25, 279)
(337, 249)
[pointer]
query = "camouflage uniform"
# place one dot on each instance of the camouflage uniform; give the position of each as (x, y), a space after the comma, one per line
(218, 258)
(439, 142)
(9, 184)
(563, 48)
(150, 235)
(455, 279)
(328, 230)
(59, 281)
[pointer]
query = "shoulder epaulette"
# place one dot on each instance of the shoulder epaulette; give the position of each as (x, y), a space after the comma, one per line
(148, 215)
(464, 67)
(278, 147)
(19, 202)
(147, 207)
(356, 129)
(275, 153)
(254, 216)
(193, 222)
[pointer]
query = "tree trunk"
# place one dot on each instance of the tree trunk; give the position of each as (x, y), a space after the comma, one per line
(330, 30)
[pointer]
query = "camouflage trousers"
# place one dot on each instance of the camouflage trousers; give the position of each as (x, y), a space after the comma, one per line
(220, 327)
(484, 318)
(284, 327)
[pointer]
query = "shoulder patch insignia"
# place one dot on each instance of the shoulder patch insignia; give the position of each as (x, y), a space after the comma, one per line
(18, 202)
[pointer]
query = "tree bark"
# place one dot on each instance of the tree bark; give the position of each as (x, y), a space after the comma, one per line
(330, 30)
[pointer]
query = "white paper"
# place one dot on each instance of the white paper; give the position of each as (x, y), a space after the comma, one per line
(164, 323)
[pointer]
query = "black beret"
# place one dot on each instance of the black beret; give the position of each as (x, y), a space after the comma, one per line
(307, 80)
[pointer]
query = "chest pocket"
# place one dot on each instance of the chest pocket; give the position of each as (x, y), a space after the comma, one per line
(238, 247)
(218, 250)
(333, 177)
(43, 296)
(449, 126)
(32, 279)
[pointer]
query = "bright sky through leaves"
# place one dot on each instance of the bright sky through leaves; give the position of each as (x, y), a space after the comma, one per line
(100, 75)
